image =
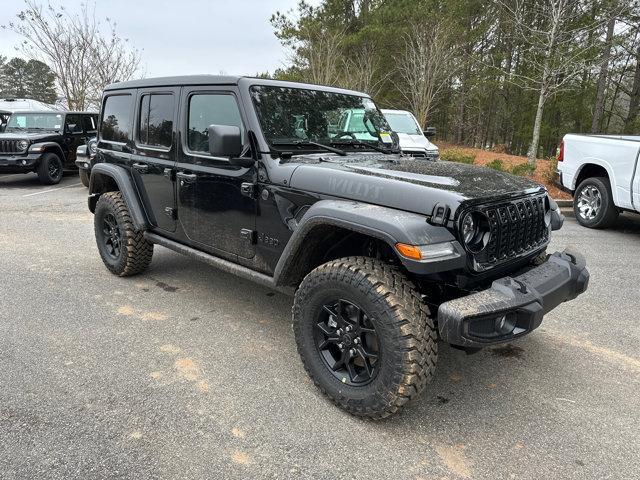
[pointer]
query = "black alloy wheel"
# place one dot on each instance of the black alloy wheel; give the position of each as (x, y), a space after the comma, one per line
(112, 237)
(347, 341)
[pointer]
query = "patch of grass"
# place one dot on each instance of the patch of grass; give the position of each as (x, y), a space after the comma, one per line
(459, 156)
(523, 169)
(496, 164)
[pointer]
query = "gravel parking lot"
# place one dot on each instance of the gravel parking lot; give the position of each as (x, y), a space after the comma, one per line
(187, 372)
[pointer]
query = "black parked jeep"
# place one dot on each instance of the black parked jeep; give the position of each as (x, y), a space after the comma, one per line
(384, 254)
(44, 142)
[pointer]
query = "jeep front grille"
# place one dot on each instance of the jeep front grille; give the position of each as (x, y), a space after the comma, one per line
(9, 146)
(517, 228)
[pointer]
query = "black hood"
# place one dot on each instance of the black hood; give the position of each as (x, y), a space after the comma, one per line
(405, 183)
(32, 136)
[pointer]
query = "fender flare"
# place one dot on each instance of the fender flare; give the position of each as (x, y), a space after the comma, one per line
(46, 147)
(599, 163)
(121, 177)
(387, 224)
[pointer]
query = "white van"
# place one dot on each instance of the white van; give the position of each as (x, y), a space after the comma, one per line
(413, 141)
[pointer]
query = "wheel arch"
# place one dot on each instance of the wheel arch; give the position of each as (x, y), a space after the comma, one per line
(109, 178)
(327, 223)
(50, 147)
(593, 169)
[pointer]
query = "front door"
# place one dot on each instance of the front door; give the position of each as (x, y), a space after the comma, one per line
(153, 158)
(213, 210)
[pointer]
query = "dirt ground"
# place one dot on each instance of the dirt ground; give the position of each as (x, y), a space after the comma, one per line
(543, 173)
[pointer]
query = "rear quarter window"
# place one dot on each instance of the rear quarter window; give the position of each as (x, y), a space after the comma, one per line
(116, 121)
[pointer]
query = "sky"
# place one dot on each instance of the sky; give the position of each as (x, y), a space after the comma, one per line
(182, 37)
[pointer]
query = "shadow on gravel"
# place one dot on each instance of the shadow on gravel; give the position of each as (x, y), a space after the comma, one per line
(26, 180)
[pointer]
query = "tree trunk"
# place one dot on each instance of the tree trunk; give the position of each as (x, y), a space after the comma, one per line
(634, 98)
(602, 78)
(535, 140)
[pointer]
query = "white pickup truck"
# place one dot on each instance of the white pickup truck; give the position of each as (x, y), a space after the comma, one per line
(602, 173)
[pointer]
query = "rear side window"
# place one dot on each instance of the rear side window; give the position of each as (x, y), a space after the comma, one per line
(155, 125)
(116, 119)
(210, 109)
(89, 123)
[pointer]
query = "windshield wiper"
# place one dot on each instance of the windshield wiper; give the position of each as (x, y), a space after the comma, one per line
(342, 153)
(355, 141)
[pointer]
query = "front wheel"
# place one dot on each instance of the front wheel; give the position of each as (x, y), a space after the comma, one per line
(365, 336)
(50, 169)
(593, 203)
(123, 249)
(84, 176)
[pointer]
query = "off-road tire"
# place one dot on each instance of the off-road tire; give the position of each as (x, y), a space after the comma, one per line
(135, 252)
(405, 330)
(84, 176)
(608, 212)
(44, 174)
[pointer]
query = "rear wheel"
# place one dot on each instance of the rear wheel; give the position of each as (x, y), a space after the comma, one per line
(593, 203)
(84, 176)
(123, 249)
(50, 169)
(364, 335)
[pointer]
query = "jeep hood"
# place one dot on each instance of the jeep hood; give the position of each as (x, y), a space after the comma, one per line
(405, 183)
(31, 135)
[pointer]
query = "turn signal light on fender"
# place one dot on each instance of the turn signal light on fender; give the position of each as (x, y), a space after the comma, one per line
(409, 251)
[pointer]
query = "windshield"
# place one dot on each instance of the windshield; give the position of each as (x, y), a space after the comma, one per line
(403, 123)
(295, 116)
(46, 121)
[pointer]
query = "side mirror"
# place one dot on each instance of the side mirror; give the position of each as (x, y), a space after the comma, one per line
(429, 132)
(224, 141)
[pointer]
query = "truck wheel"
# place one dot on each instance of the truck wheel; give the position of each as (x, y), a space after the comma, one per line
(364, 335)
(593, 203)
(84, 177)
(50, 169)
(123, 249)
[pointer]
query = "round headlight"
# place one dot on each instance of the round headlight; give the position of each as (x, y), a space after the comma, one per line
(23, 145)
(93, 147)
(469, 228)
(475, 231)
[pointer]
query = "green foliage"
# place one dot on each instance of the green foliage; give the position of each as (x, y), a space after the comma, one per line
(491, 95)
(27, 79)
(458, 156)
(496, 164)
(523, 169)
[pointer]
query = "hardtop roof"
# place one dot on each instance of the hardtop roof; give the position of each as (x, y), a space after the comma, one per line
(222, 80)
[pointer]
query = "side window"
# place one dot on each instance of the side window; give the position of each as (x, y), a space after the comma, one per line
(210, 109)
(155, 124)
(89, 123)
(116, 119)
(73, 124)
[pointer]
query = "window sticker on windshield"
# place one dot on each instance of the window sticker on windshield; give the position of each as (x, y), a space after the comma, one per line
(386, 137)
(57, 126)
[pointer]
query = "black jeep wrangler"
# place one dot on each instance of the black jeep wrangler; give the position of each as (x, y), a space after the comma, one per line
(44, 142)
(385, 254)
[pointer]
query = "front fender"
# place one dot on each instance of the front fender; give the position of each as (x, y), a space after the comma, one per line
(387, 224)
(47, 147)
(106, 177)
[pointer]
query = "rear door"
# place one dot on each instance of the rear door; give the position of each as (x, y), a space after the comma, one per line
(74, 136)
(215, 206)
(153, 158)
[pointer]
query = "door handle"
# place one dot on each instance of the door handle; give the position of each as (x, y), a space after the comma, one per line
(186, 177)
(141, 167)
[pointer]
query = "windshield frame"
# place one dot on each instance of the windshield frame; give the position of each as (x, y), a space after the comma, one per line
(15, 115)
(299, 143)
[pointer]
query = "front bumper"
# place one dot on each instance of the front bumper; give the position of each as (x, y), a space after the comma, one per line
(84, 163)
(513, 306)
(18, 163)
